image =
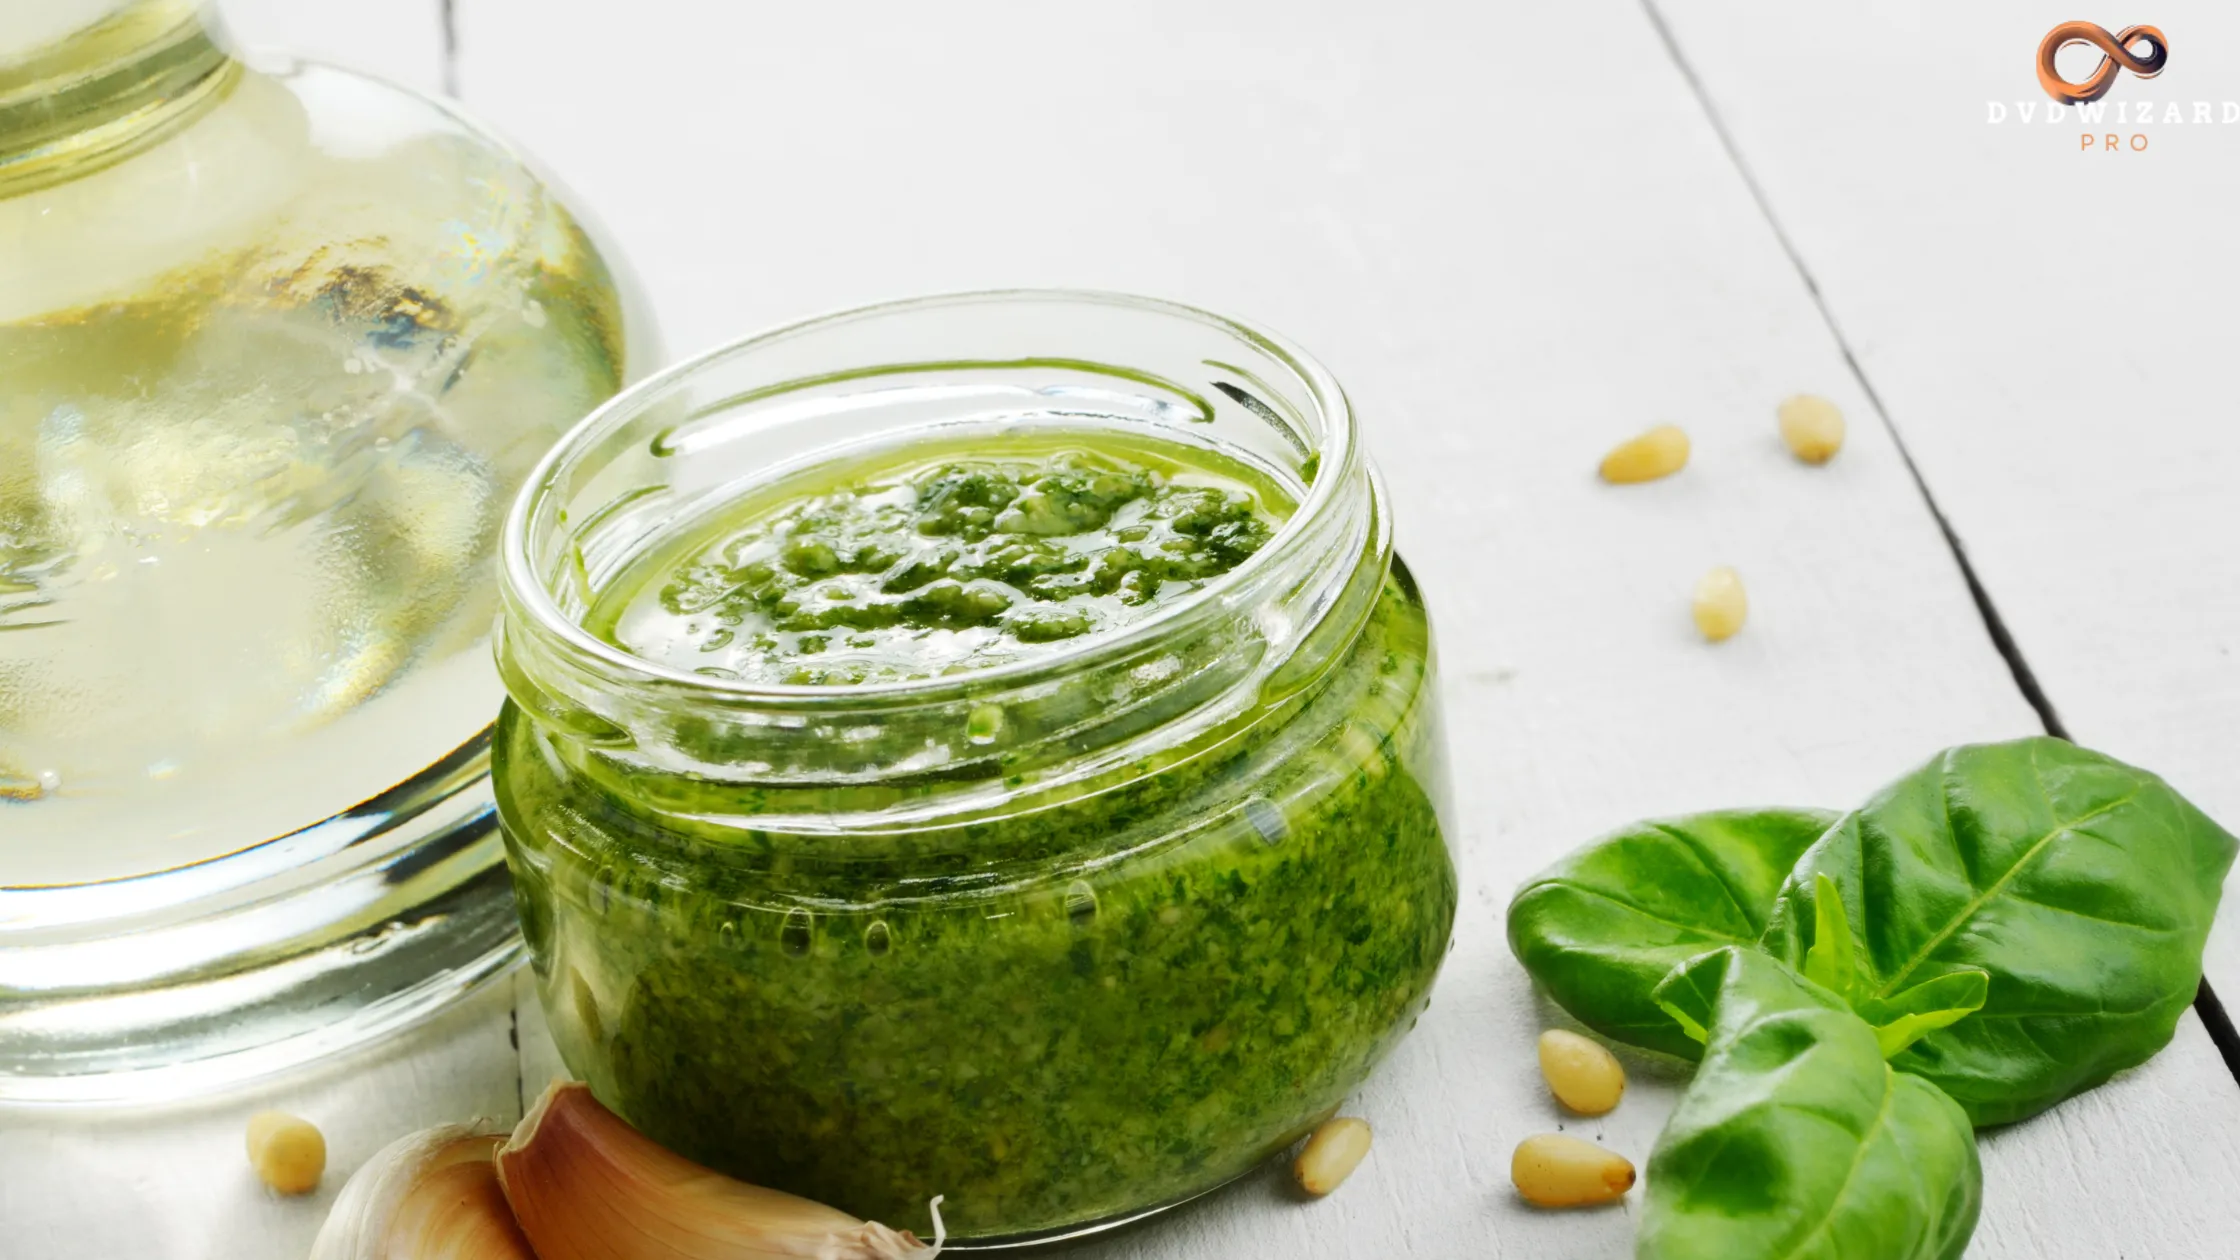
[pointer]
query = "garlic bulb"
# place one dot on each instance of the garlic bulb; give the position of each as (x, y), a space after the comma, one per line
(431, 1195)
(584, 1185)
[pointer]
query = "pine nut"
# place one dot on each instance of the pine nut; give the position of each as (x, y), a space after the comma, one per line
(1581, 1074)
(1812, 427)
(1721, 605)
(1331, 1155)
(1660, 452)
(1552, 1170)
(288, 1152)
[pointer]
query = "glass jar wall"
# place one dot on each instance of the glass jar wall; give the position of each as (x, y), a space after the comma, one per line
(278, 342)
(1065, 937)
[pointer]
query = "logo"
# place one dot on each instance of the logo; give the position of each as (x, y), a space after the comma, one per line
(2118, 56)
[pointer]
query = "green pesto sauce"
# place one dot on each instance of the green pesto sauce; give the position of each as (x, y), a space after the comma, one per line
(1183, 966)
(927, 561)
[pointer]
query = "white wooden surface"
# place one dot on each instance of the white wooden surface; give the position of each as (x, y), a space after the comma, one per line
(1515, 245)
(2050, 329)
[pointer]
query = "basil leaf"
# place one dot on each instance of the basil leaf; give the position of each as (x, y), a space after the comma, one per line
(2083, 886)
(1833, 961)
(1600, 928)
(1796, 1141)
(1940, 1003)
(1689, 993)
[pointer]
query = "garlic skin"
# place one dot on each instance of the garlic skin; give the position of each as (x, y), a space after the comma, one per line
(431, 1195)
(584, 1185)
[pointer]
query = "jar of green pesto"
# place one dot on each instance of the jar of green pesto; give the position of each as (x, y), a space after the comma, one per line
(981, 746)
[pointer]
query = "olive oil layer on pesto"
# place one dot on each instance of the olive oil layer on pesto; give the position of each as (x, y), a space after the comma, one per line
(1120, 994)
(931, 561)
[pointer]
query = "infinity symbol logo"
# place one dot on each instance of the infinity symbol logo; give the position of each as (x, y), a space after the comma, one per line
(2119, 56)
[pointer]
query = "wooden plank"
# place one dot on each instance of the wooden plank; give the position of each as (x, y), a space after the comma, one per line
(2043, 1202)
(1511, 259)
(399, 40)
(2042, 323)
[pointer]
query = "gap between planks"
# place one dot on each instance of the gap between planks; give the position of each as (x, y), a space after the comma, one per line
(447, 21)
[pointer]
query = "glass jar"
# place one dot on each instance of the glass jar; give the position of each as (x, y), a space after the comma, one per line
(278, 343)
(1064, 939)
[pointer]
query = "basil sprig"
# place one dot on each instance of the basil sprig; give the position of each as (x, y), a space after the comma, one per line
(2004, 927)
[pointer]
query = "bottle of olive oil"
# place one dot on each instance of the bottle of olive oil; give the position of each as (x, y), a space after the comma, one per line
(278, 343)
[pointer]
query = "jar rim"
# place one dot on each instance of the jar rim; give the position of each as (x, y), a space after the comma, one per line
(526, 592)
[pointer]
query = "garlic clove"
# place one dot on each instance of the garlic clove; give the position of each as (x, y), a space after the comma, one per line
(431, 1195)
(586, 1186)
